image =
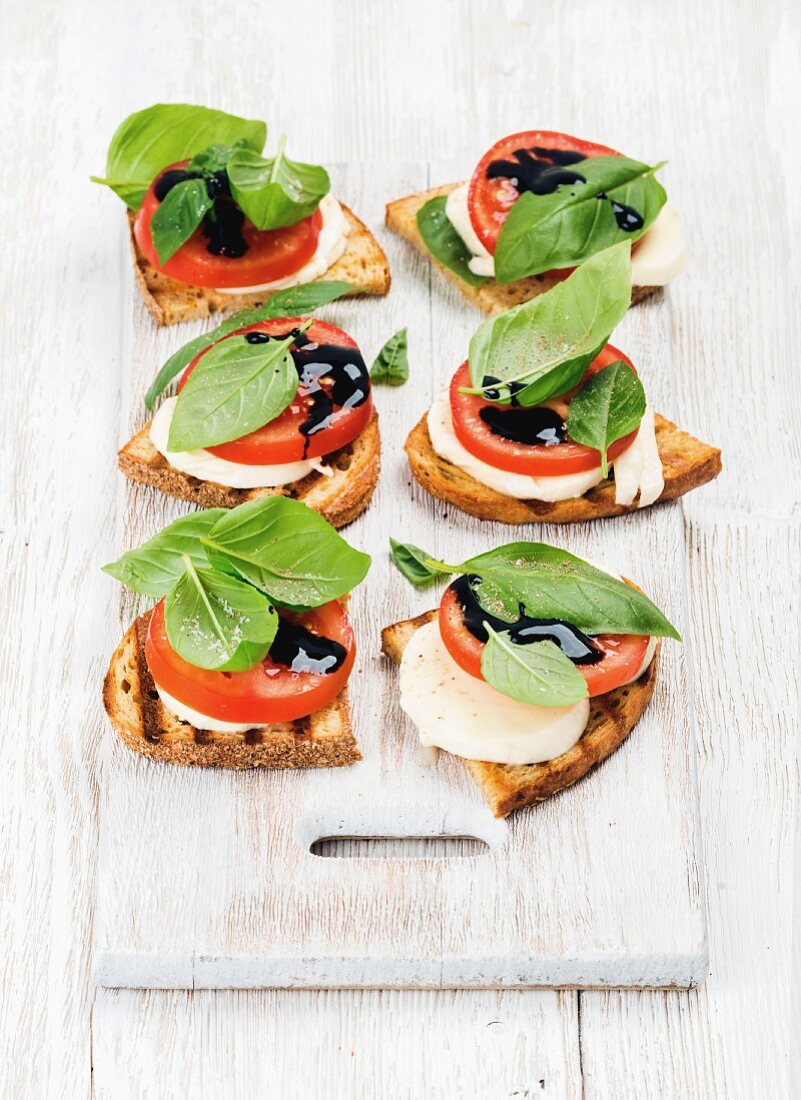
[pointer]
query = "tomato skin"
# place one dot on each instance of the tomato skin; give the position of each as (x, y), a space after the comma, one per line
(272, 254)
(280, 440)
(262, 695)
(623, 653)
(490, 200)
(536, 460)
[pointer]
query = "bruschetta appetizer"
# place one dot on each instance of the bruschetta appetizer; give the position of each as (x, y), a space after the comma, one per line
(538, 204)
(534, 668)
(546, 421)
(217, 225)
(244, 660)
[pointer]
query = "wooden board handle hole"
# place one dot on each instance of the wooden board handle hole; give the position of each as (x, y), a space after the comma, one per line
(398, 847)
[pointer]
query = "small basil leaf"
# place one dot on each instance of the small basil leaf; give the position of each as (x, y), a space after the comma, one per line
(216, 621)
(235, 388)
(545, 345)
(274, 191)
(154, 568)
(288, 551)
(149, 140)
(285, 303)
(564, 228)
(537, 673)
(391, 366)
(413, 562)
(608, 406)
(178, 216)
(443, 242)
(214, 159)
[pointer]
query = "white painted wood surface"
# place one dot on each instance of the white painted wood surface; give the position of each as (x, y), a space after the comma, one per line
(710, 86)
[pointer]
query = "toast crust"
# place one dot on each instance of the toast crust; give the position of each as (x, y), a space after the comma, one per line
(340, 497)
(323, 740)
(363, 263)
(491, 297)
(508, 787)
(686, 464)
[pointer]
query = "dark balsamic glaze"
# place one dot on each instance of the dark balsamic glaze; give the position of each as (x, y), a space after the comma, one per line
(343, 369)
(575, 645)
(536, 426)
(222, 225)
(301, 651)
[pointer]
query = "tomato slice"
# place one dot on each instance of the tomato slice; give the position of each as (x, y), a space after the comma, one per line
(271, 254)
(287, 438)
(537, 459)
(494, 190)
(267, 693)
(623, 654)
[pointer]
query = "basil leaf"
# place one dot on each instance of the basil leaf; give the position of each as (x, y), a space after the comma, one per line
(413, 562)
(288, 551)
(154, 568)
(178, 216)
(391, 366)
(216, 621)
(289, 302)
(608, 406)
(235, 388)
(564, 228)
(550, 583)
(149, 140)
(214, 159)
(537, 673)
(443, 242)
(274, 191)
(545, 345)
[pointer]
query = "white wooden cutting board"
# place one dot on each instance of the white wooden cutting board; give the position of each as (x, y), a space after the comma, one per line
(206, 878)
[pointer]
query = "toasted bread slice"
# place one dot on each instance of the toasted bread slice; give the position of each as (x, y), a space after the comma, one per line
(686, 463)
(490, 297)
(508, 787)
(363, 263)
(340, 496)
(323, 740)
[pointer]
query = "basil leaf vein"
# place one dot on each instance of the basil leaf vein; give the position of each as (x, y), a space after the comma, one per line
(537, 673)
(156, 565)
(443, 242)
(178, 216)
(275, 192)
(391, 366)
(608, 406)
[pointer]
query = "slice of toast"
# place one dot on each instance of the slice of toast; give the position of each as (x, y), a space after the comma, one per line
(323, 740)
(686, 464)
(363, 263)
(508, 787)
(490, 297)
(340, 496)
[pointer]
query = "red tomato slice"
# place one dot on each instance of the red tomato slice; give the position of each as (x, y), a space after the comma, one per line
(537, 460)
(271, 254)
(267, 693)
(489, 200)
(282, 440)
(623, 653)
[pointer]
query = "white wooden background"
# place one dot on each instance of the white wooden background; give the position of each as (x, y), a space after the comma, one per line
(713, 87)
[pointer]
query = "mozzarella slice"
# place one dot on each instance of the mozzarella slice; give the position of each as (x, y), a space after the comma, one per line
(202, 721)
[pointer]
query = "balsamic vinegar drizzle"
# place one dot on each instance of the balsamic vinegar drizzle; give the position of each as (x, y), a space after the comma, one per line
(301, 651)
(536, 426)
(575, 645)
(223, 224)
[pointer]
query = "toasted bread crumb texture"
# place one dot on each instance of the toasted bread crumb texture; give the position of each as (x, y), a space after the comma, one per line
(508, 787)
(363, 263)
(686, 464)
(491, 297)
(340, 497)
(323, 740)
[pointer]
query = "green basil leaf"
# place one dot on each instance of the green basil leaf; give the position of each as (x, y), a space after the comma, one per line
(443, 242)
(235, 388)
(149, 140)
(608, 406)
(546, 344)
(155, 567)
(214, 159)
(545, 232)
(216, 621)
(285, 303)
(178, 216)
(550, 583)
(288, 551)
(413, 562)
(391, 366)
(537, 673)
(274, 191)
